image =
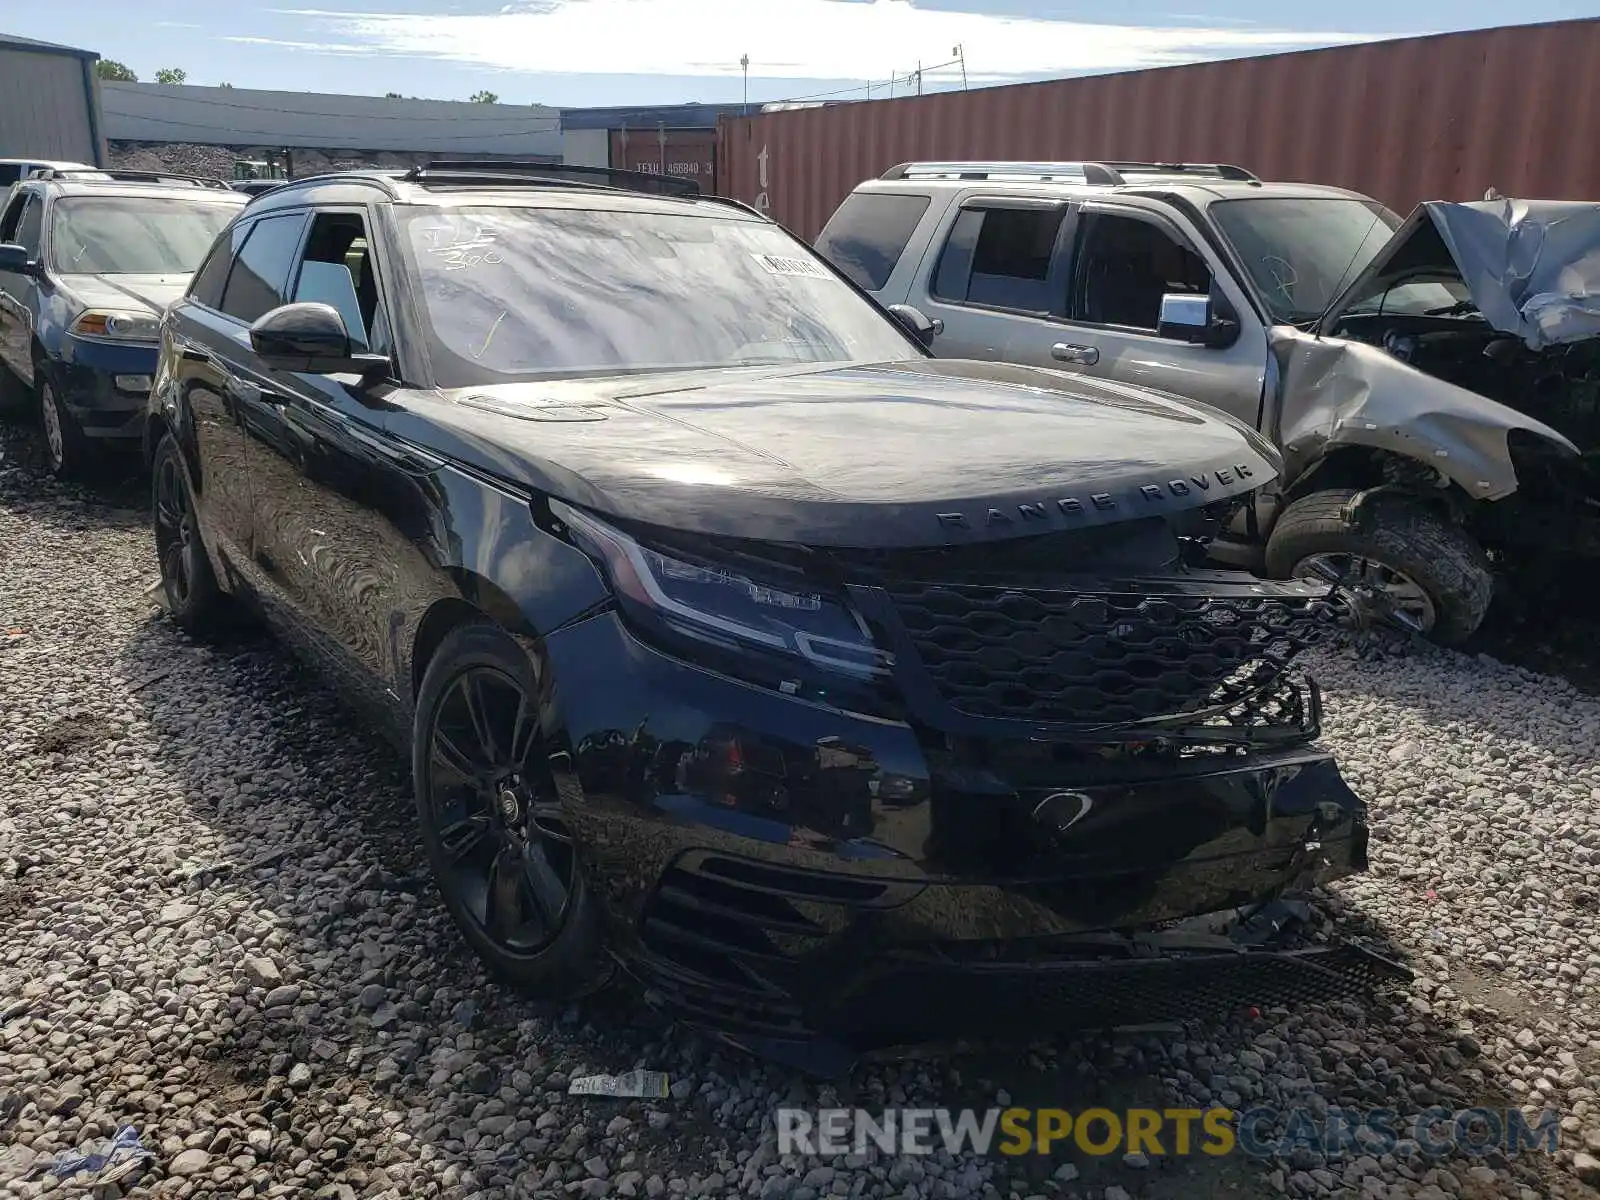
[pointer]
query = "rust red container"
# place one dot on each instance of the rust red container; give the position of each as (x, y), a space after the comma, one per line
(1444, 117)
(689, 153)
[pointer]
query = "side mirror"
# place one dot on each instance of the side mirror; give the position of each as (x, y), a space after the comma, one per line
(310, 338)
(1194, 319)
(917, 323)
(14, 259)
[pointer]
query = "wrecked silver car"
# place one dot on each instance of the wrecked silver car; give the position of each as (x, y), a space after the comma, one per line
(1467, 352)
(1429, 381)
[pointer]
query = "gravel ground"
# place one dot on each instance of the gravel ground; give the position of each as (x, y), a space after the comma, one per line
(216, 929)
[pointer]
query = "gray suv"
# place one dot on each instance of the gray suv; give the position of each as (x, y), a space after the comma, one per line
(1409, 419)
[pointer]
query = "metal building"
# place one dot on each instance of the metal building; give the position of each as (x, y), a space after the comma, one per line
(242, 117)
(49, 102)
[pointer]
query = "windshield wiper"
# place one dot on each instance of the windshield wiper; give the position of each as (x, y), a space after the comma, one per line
(1459, 309)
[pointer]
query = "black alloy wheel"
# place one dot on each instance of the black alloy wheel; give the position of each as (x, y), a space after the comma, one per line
(492, 822)
(507, 852)
(175, 532)
(187, 582)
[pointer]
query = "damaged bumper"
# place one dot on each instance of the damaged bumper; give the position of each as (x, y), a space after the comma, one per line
(774, 868)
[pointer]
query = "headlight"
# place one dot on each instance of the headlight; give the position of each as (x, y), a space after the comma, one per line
(116, 326)
(713, 603)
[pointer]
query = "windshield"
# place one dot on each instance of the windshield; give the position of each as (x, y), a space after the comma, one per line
(515, 293)
(134, 235)
(1301, 252)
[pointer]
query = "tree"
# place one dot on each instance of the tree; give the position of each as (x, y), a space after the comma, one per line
(484, 98)
(171, 75)
(393, 96)
(110, 68)
(226, 85)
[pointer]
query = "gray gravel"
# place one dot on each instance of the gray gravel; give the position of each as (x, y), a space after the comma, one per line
(217, 928)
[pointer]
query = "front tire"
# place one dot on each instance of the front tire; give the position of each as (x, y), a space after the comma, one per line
(491, 821)
(67, 452)
(1434, 575)
(193, 598)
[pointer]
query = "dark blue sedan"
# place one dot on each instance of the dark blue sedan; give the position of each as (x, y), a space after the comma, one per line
(89, 261)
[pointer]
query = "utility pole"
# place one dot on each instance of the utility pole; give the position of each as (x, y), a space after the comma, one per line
(962, 58)
(744, 65)
(919, 77)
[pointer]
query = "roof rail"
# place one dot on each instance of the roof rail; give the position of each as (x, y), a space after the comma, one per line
(116, 175)
(534, 174)
(1106, 173)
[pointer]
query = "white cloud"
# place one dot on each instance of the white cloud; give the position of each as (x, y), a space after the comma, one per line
(790, 39)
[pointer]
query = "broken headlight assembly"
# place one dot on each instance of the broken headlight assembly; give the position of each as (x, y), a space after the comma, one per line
(722, 606)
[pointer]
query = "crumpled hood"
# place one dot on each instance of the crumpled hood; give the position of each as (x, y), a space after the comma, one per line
(135, 293)
(926, 452)
(1531, 266)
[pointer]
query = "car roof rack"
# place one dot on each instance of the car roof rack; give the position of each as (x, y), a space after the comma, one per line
(1100, 172)
(459, 172)
(115, 175)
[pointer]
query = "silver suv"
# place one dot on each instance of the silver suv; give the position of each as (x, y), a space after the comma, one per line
(1348, 336)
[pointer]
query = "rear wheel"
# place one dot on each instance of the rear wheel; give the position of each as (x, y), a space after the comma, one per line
(1415, 568)
(491, 821)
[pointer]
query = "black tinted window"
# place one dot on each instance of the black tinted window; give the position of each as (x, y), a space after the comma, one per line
(10, 173)
(1127, 266)
(868, 234)
(1002, 257)
(32, 224)
(261, 271)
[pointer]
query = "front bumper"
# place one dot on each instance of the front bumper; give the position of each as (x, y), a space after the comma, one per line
(88, 378)
(778, 869)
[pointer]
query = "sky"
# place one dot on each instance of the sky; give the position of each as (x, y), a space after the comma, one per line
(596, 52)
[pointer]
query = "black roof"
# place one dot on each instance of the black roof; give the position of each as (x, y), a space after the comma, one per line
(452, 178)
(10, 41)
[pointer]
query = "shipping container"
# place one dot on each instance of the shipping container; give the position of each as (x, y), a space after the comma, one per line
(1444, 117)
(688, 153)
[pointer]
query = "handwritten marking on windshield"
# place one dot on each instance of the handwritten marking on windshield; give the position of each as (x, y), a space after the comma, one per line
(483, 349)
(463, 252)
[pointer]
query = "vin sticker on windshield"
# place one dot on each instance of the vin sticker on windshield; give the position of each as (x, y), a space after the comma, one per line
(777, 264)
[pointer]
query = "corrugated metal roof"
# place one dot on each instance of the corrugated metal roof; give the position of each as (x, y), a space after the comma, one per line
(1442, 117)
(11, 41)
(214, 116)
(673, 116)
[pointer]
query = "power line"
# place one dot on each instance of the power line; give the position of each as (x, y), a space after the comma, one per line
(908, 77)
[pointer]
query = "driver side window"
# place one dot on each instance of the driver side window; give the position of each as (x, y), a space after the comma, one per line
(1125, 266)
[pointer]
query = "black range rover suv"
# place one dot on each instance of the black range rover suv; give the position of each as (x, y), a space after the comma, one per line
(843, 695)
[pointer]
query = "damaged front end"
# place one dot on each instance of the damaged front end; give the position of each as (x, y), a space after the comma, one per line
(1470, 347)
(1078, 745)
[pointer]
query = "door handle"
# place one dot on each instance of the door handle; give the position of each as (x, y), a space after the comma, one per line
(1067, 352)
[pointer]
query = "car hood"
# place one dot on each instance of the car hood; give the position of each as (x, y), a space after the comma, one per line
(926, 452)
(1532, 267)
(151, 293)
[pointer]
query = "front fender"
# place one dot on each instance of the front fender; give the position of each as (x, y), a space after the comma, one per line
(487, 551)
(1335, 393)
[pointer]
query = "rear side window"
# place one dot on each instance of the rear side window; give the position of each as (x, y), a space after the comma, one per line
(10, 173)
(1003, 258)
(868, 234)
(261, 272)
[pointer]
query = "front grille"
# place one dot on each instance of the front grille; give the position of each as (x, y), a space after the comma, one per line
(1074, 996)
(1115, 657)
